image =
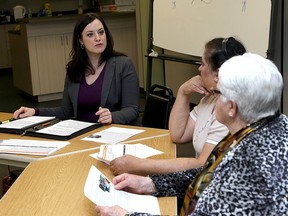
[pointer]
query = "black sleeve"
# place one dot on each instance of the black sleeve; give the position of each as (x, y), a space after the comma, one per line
(173, 184)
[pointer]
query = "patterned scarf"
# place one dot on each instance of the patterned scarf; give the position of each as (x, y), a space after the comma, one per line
(203, 179)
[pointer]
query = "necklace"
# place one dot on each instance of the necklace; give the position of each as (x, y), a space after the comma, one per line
(202, 128)
(92, 77)
(98, 68)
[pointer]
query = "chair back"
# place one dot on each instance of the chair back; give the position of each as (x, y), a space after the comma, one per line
(158, 106)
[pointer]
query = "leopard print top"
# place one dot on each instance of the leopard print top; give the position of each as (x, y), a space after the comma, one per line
(252, 179)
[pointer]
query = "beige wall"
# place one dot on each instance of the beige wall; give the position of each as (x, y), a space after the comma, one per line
(142, 30)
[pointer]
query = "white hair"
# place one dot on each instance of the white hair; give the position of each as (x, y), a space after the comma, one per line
(254, 83)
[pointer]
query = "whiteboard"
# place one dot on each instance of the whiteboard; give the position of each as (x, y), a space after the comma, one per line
(185, 26)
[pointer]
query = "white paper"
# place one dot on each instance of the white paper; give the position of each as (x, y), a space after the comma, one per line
(101, 192)
(65, 128)
(113, 135)
(108, 153)
(26, 122)
(30, 147)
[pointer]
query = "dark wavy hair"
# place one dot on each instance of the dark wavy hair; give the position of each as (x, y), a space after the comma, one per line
(80, 63)
(218, 50)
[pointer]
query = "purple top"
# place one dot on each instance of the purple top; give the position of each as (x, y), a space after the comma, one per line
(89, 98)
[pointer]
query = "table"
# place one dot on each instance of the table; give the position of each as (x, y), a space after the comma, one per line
(76, 144)
(54, 185)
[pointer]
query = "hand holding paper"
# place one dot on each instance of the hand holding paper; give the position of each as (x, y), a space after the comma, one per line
(101, 191)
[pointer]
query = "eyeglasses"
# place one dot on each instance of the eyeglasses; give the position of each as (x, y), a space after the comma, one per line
(215, 92)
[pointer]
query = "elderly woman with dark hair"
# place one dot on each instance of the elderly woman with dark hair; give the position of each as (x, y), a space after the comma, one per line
(247, 172)
(199, 125)
(101, 84)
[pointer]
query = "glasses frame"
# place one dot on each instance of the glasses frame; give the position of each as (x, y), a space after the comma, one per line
(215, 92)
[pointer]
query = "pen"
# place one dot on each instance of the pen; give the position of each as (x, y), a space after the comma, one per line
(8, 120)
(38, 127)
(124, 149)
(95, 136)
(24, 132)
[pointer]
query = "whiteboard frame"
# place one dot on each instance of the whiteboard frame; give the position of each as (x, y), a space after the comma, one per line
(184, 26)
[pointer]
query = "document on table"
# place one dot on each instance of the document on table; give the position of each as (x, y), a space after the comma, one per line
(113, 135)
(30, 147)
(101, 191)
(108, 153)
(26, 122)
(65, 127)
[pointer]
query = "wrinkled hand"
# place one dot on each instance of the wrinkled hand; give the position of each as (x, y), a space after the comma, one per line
(125, 164)
(194, 84)
(105, 116)
(134, 184)
(23, 112)
(110, 211)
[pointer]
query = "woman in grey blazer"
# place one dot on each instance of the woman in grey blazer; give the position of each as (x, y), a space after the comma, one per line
(101, 84)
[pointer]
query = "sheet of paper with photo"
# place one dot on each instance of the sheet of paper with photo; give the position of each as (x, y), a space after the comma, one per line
(113, 135)
(101, 192)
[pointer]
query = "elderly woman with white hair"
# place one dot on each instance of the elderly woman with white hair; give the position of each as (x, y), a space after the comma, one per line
(247, 172)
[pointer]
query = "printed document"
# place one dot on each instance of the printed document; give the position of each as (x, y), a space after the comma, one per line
(108, 153)
(65, 127)
(30, 147)
(26, 122)
(101, 191)
(113, 135)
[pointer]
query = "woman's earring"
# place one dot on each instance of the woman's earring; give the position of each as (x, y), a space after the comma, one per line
(82, 46)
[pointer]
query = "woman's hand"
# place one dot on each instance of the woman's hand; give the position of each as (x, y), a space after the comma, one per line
(110, 211)
(134, 184)
(194, 84)
(105, 116)
(23, 112)
(125, 164)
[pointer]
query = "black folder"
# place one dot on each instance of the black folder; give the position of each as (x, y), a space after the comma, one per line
(35, 129)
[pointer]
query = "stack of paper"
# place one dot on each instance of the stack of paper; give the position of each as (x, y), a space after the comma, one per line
(108, 153)
(30, 147)
(27, 122)
(66, 127)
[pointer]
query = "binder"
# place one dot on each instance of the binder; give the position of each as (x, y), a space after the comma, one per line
(47, 127)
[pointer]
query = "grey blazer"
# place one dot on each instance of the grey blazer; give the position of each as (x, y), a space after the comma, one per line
(120, 93)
